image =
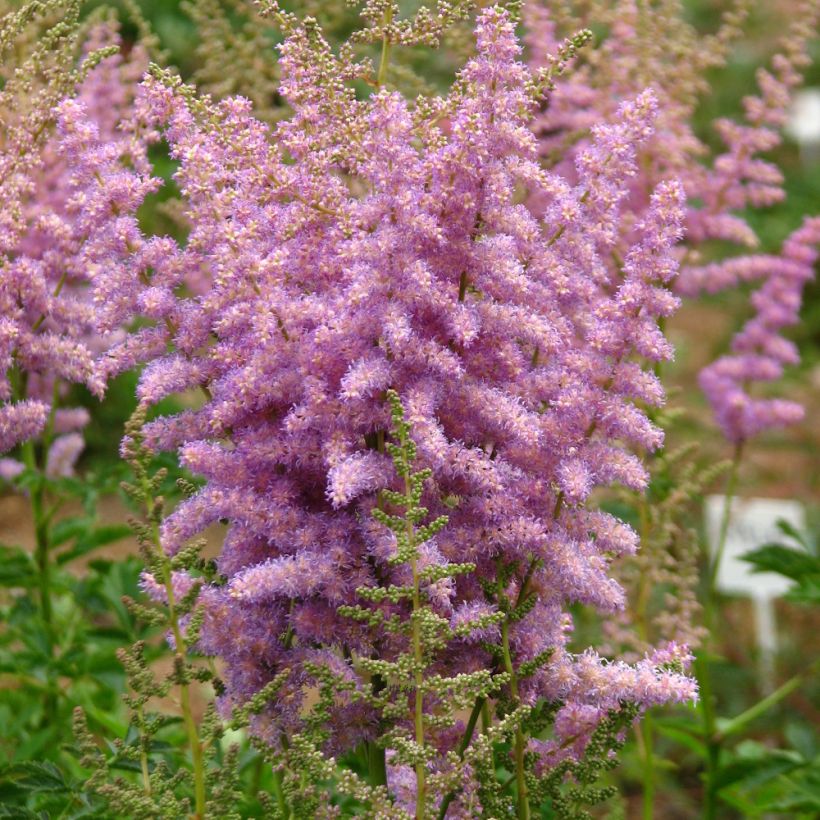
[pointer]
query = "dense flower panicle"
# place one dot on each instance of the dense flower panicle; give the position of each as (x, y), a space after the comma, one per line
(48, 334)
(21, 421)
(759, 353)
(364, 245)
(38, 44)
(63, 455)
(597, 687)
(661, 48)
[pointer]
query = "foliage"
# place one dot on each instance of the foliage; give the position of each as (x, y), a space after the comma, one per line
(798, 561)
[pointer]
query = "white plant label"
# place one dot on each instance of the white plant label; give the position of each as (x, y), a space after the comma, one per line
(753, 523)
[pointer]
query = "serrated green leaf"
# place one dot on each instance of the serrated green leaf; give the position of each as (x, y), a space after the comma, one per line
(790, 562)
(754, 771)
(34, 776)
(16, 568)
(94, 539)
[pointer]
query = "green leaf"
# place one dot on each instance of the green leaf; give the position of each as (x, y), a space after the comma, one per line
(34, 776)
(685, 738)
(789, 529)
(37, 744)
(807, 592)
(684, 722)
(803, 738)
(792, 563)
(66, 529)
(97, 537)
(115, 727)
(754, 771)
(803, 795)
(16, 568)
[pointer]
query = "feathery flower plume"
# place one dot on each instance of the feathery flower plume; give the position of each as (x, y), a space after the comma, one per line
(367, 245)
(48, 333)
(660, 48)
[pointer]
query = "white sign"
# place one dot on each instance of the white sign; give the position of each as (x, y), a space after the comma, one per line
(753, 523)
(804, 117)
(803, 125)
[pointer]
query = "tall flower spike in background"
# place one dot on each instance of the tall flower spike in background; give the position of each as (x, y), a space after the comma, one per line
(661, 48)
(759, 353)
(48, 333)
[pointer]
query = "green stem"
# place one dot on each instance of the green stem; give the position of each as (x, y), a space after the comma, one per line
(376, 764)
(42, 560)
(42, 521)
(376, 755)
(256, 779)
(416, 638)
(471, 724)
(478, 710)
(197, 758)
(642, 618)
(187, 711)
(41, 541)
(707, 711)
(279, 791)
(523, 803)
(708, 714)
(384, 61)
(731, 488)
(486, 718)
(146, 777)
(657, 368)
(462, 286)
(418, 659)
(648, 767)
(739, 722)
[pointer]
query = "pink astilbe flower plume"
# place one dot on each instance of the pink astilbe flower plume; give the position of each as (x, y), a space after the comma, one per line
(758, 353)
(49, 335)
(363, 245)
(662, 49)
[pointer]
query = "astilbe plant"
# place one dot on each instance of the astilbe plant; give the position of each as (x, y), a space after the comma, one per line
(48, 342)
(367, 245)
(658, 47)
(49, 336)
(42, 70)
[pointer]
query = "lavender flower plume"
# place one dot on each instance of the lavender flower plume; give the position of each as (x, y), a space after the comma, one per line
(663, 49)
(362, 245)
(48, 334)
(759, 353)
